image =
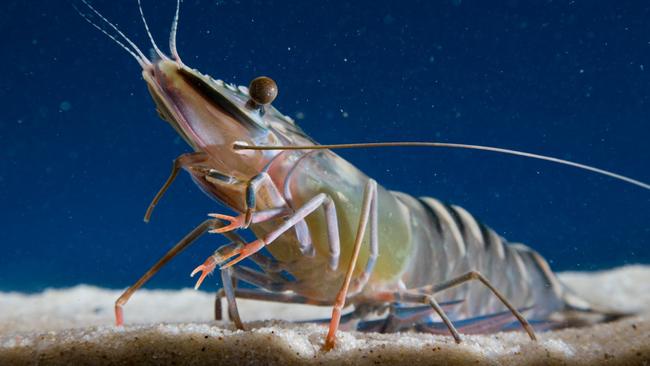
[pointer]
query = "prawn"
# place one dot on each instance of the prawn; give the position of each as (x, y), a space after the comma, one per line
(333, 235)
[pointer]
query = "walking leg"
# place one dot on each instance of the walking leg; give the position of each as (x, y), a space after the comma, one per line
(368, 204)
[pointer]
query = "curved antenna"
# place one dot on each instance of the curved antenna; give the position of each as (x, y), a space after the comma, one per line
(240, 146)
(146, 27)
(172, 35)
(137, 50)
(143, 62)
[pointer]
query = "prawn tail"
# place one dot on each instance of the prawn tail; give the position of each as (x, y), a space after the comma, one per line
(556, 305)
(578, 312)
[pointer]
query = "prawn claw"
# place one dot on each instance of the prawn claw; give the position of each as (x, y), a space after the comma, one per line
(235, 223)
(245, 252)
(206, 268)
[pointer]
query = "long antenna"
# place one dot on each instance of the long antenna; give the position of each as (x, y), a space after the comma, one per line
(240, 146)
(172, 35)
(137, 50)
(146, 27)
(143, 63)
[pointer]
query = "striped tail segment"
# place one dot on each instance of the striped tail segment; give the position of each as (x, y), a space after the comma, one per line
(519, 272)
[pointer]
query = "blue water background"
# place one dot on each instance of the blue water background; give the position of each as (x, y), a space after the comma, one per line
(82, 150)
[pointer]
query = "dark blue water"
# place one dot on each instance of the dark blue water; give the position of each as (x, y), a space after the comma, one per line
(82, 151)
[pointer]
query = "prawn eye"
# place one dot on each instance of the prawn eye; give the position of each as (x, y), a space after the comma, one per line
(263, 90)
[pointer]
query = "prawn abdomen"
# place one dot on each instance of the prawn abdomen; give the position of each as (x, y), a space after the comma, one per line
(451, 242)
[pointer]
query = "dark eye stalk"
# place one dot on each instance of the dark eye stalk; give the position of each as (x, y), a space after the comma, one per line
(262, 90)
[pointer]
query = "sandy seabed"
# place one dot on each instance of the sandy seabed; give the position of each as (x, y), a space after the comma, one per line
(73, 326)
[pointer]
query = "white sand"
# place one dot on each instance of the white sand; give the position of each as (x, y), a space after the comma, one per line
(72, 326)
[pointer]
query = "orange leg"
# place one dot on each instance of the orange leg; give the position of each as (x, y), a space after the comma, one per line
(369, 206)
(239, 222)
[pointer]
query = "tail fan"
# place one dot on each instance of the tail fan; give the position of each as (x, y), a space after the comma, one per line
(578, 312)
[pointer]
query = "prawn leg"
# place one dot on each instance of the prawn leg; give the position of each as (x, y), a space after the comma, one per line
(368, 208)
(324, 200)
(475, 275)
(400, 315)
(277, 291)
(261, 295)
(242, 221)
(416, 295)
(179, 247)
(299, 215)
(229, 292)
(412, 296)
(229, 277)
(283, 297)
(179, 163)
(249, 215)
(368, 214)
(175, 250)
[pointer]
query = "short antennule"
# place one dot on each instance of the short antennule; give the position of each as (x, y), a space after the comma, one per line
(142, 58)
(172, 35)
(146, 27)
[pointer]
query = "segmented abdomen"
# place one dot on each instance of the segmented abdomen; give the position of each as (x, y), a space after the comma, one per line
(449, 242)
